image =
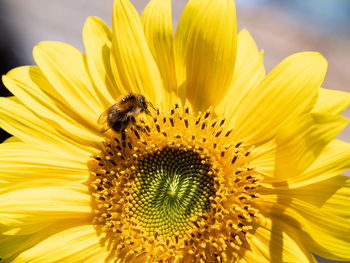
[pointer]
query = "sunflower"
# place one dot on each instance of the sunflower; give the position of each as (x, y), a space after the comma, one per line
(233, 165)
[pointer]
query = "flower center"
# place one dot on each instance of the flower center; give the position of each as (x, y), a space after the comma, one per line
(172, 186)
(162, 195)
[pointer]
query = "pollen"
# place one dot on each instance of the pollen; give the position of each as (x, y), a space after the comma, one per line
(179, 190)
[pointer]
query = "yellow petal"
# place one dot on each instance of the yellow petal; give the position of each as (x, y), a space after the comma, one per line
(132, 63)
(26, 211)
(30, 86)
(301, 140)
(24, 165)
(158, 27)
(332, 101)
(339, 203)
(325, 234)
(278, 242)
(249, 72)
(333, 160)
(286, 92)
(77, 244)
(65, 68)
(331, 195)
(205, 51)
(97, 38)
(43, 199)
(12, 245)
(263, 158)
(20, 122)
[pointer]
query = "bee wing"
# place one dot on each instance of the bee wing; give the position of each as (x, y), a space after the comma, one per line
(102, 121)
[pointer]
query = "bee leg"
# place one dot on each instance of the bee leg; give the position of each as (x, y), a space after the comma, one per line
(138, 126)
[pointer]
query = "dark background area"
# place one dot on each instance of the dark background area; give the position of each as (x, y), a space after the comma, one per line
(8, 60)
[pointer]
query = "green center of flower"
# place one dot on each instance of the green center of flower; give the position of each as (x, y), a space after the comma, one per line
(173, 186)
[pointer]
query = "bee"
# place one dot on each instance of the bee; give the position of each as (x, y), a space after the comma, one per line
(123, 112)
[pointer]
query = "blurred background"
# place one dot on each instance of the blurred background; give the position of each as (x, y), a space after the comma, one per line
(280, 27)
